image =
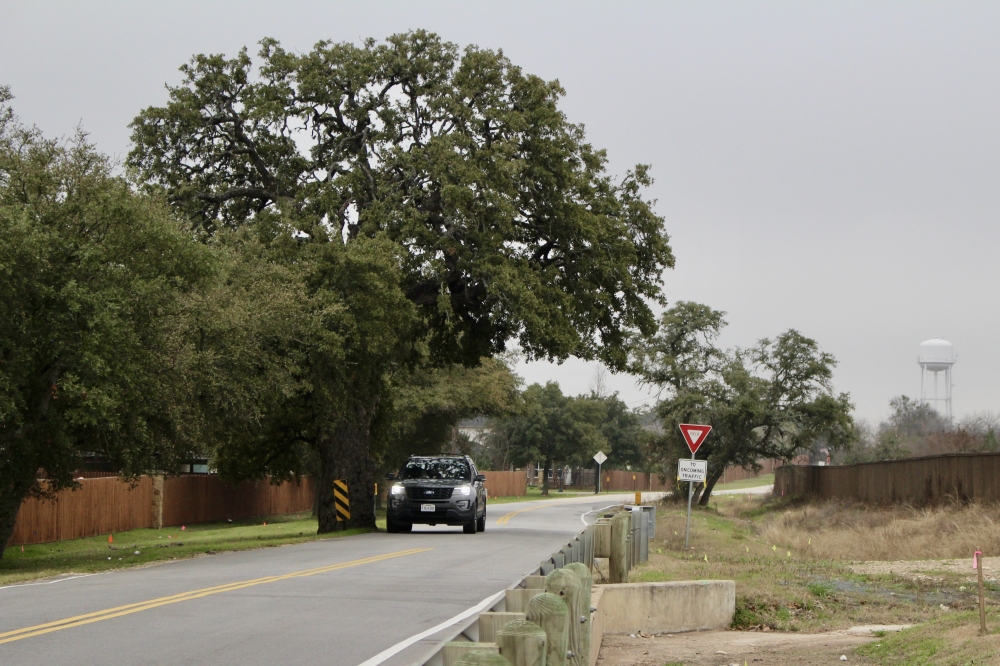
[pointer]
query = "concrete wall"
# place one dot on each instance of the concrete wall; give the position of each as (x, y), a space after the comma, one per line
(667, 607)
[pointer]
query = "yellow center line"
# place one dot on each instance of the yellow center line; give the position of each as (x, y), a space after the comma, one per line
(107, 614)
(503, 520)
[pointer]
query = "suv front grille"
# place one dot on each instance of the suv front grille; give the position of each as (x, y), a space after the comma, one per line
(425, 493)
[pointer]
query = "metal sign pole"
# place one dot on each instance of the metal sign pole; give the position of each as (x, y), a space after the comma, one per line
(687, 529)
(598, 479)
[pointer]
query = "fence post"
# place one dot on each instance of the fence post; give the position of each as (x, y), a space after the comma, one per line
(157, 502)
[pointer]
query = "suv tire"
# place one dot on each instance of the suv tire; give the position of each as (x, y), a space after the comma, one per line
(481, 523)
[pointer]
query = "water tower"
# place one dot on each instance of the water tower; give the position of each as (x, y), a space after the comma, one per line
(937, 355)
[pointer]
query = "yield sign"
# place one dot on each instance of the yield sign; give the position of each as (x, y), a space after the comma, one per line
(694, 435)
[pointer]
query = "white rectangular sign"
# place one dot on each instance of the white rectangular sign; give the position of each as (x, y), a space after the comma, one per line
(692, 470)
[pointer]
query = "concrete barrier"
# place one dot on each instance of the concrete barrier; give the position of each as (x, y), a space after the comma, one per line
(671, 607)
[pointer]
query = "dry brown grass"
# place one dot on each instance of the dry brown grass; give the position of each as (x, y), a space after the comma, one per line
(842, 531)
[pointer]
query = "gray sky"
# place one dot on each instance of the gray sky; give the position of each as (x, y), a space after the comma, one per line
(829, 167)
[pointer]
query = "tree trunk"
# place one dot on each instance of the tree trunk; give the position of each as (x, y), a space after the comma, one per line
(545, 476)
(358, 465)
(713, 478)
(12, 494)
(346, 455)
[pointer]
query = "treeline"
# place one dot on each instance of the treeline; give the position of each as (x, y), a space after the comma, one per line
(309, 263)
(916, 429)
(547, 427)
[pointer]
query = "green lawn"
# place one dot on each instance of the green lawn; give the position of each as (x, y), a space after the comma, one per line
(138, 547)
(765, 480)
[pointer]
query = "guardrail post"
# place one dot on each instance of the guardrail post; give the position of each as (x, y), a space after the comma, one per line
(618, 559)
(565, 584)
(582, 610)
(522, 643)
(481, 659)
(550, 613)
(491, 623)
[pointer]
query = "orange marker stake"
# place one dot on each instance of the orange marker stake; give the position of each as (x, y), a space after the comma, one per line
(111, 538)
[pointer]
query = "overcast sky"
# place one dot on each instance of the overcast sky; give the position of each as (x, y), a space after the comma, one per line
(828, 167)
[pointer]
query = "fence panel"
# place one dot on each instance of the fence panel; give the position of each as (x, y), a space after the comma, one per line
(104, 505)
(926, 480)
(100, 506)
(208, 499)
(506, 484)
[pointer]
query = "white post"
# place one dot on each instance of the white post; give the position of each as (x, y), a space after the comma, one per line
(687, 529)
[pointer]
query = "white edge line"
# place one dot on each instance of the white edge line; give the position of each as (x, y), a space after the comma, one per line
(50, 582)
(402, 645)
(584, 516)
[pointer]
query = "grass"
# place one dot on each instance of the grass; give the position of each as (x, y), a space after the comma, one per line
(792, 564)
(950, 640)
(146, 546)
(756, 482)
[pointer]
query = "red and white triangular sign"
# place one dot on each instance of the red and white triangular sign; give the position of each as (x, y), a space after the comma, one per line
(694, 435)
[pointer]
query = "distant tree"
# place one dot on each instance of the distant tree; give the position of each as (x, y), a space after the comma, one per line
(503, 221)
(768, 401)
(554, 428)
(623, 432)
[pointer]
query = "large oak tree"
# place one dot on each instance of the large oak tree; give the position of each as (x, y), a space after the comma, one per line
(503, 221)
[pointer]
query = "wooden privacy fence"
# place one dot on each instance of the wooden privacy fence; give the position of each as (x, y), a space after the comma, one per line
(105, 505)
(962, 476)
(506, 484)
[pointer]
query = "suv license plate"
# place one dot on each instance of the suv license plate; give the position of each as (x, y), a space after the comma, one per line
(427, 507)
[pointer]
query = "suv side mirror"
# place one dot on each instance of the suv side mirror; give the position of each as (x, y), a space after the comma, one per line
(481, 478)
(390, 477)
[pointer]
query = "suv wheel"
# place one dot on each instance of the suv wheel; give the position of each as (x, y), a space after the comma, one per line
(481, 524)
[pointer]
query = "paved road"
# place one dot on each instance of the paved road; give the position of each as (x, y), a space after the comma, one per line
(338, 602)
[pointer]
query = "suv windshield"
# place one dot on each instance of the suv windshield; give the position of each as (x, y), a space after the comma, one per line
(452, 469)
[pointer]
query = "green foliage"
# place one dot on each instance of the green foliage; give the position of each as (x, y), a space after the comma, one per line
(820, 589)
(554, 428)
(434, 205)
(623, 432)
(96, 285)
(767, 401)
(508, 223)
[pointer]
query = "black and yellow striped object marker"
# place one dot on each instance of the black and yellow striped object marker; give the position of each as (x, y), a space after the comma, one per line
(341, 501)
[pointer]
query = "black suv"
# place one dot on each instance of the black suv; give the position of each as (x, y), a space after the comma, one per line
(434, 490)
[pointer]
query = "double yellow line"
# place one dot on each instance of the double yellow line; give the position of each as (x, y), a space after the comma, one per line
(503, 520)
(88, 618)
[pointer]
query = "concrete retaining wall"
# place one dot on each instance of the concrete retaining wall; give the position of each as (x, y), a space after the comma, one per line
(667, 607)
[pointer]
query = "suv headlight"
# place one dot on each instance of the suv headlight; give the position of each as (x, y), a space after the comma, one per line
(463, 490)
(398, 490)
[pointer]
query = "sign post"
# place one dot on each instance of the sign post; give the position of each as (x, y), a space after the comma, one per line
(599, 457)
(690, 470)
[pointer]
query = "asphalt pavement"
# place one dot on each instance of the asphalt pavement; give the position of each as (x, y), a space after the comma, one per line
(338, 601)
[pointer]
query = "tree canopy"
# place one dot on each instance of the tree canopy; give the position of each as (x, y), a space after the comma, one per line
(767, 401)
(95, 282)
(436, 204)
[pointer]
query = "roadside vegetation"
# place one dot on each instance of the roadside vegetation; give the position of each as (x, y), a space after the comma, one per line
(825, 566)
(146, 546)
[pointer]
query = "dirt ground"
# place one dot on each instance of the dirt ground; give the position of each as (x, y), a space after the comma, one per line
(724, 648)
(925, 569)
